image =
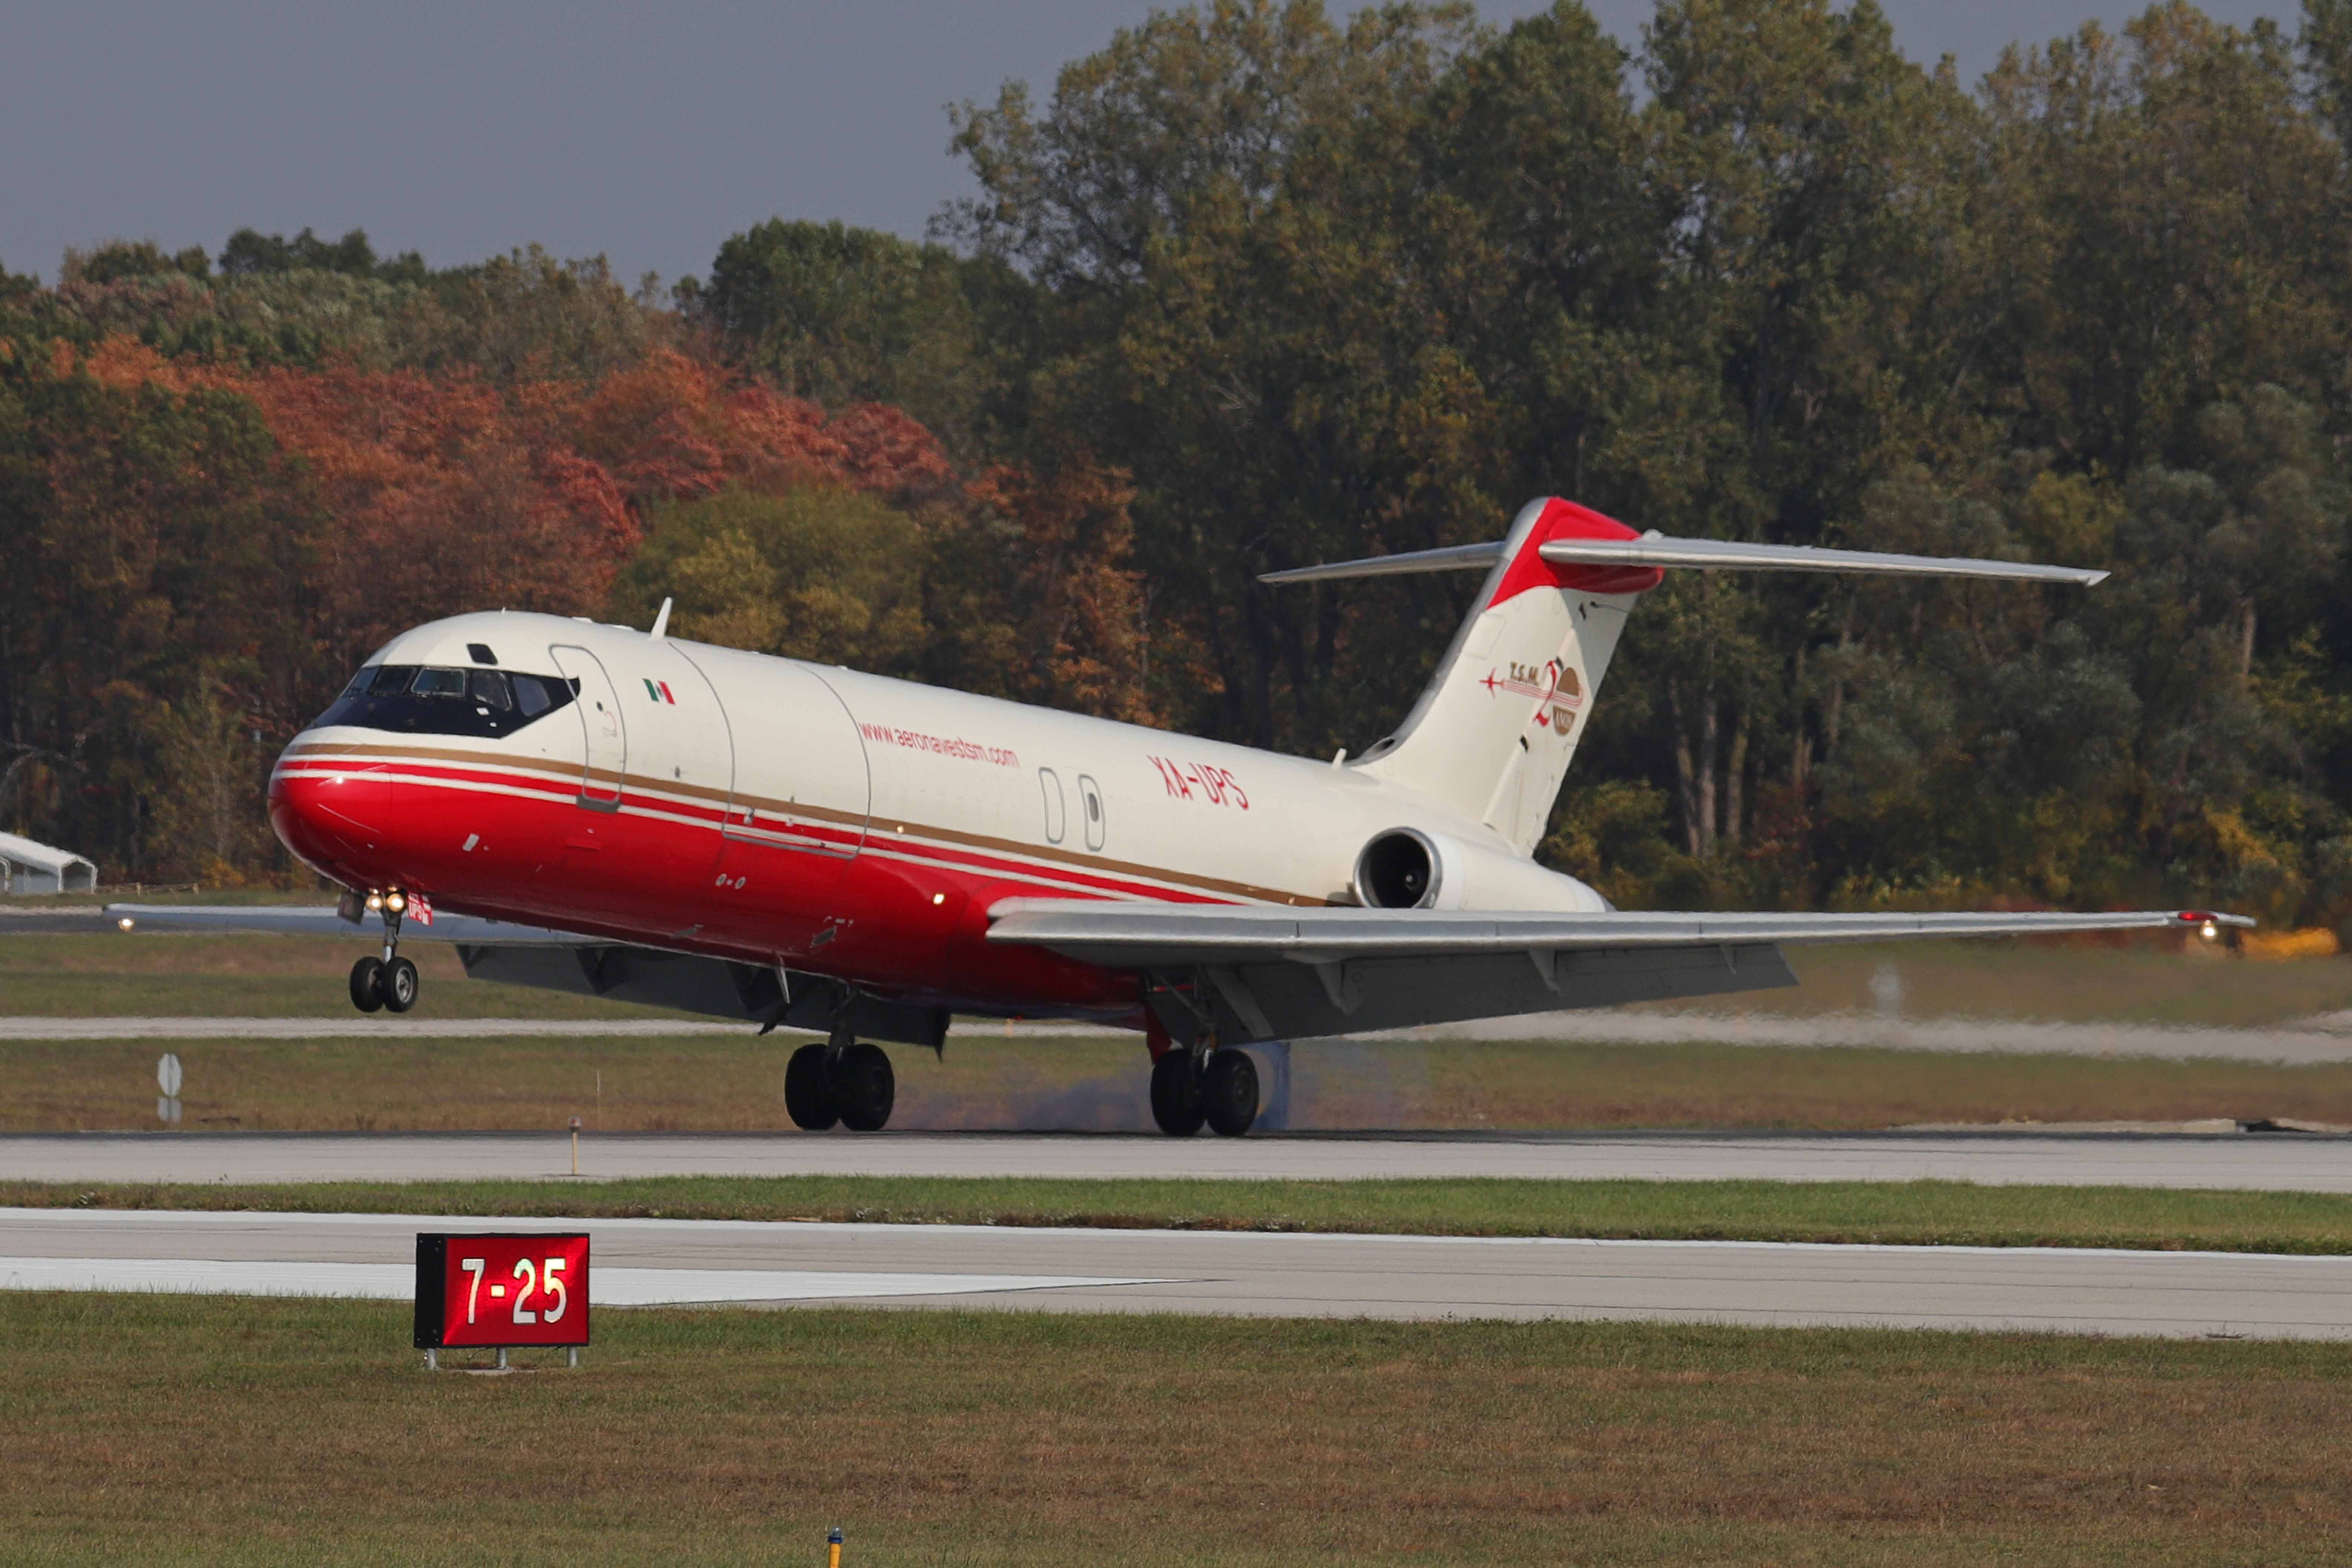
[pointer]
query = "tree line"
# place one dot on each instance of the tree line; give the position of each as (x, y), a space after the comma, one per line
(1254, 287)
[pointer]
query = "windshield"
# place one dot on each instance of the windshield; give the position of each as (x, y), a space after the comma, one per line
(426, 699)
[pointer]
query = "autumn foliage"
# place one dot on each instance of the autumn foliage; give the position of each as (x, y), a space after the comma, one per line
(370, 500)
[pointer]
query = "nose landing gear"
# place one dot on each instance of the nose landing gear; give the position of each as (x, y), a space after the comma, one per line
(389, 982)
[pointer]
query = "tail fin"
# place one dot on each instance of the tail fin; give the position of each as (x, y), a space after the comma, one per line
(1492, 736)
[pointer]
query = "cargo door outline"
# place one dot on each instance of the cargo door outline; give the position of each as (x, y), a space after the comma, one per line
(755, 819)
(601, 723)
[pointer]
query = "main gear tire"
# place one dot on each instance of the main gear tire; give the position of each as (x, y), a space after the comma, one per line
(367, 984)
(1229, 1092)
(808, 1095)
(863, 1087)
(1176, 1094)
(399, 986)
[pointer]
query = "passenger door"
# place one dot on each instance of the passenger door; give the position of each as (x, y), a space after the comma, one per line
(600, 716)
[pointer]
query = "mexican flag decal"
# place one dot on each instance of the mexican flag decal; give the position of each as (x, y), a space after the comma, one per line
(659, 692)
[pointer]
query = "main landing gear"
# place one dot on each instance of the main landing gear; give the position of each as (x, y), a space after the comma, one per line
(1218, 1088)
(388, 983)
(844, 1080)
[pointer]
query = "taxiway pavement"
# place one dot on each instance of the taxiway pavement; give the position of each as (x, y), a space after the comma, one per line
(643, 1261)
(2304, 1042)
(2267, 1161)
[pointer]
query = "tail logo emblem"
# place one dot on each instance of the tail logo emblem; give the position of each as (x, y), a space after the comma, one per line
(1556, 688)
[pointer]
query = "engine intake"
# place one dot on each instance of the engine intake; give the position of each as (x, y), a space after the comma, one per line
(1399, 869)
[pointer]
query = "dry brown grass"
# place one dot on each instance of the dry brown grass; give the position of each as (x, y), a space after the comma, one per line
(718, 1084)
(249, 977)
(2137, 980)
(194, 1429)
(2119, 979)
(735, 1083)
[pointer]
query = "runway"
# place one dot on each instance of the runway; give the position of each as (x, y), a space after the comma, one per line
(2304, 1042)
(2276, 1161)
(645, 1260)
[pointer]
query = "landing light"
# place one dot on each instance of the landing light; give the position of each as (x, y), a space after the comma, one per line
(376, 900)
(395, 902)
(2208, 931)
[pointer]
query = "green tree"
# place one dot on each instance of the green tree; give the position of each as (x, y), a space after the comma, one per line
(845, 315)
(818, 574)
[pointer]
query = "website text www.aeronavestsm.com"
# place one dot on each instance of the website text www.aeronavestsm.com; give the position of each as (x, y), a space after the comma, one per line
(944, 745)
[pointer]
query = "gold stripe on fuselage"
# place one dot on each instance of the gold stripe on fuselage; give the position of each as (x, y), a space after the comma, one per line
(572, 772)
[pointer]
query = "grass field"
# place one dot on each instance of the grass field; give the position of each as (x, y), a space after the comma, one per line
(250, 976)
(733, 1083)
(204, 1429)
(2137, 981)
(1896, 1213)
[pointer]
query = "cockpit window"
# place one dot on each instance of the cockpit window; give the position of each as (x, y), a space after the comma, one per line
(426, 700)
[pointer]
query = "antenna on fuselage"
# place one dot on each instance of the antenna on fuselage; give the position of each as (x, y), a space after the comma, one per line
(661, 622)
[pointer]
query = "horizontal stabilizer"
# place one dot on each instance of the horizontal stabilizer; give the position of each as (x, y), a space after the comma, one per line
(1722, 556)
(1656, 550)
(1454, 558)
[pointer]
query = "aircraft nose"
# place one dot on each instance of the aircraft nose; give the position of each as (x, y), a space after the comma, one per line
(329, 809)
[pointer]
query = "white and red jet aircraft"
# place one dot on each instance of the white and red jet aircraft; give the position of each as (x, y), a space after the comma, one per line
(620, 813)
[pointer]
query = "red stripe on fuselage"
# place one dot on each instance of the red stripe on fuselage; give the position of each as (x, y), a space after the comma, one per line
(658, 872)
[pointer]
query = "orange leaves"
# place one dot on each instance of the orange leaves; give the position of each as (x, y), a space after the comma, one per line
(676, 428)
(446, 491)
(1080, 601)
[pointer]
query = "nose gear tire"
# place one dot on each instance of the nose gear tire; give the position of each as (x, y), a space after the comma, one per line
(1176, 1094)
(808, 1098)
(367, 984)
(863, 1087)
(1229, 1092)
(398, 985)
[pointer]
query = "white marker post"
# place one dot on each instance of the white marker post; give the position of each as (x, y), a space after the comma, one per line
(167, 1078)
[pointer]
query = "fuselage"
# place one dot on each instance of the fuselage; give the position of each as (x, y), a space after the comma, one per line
(704, 800)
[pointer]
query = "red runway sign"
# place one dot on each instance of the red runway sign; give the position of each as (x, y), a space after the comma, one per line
(518, 1289)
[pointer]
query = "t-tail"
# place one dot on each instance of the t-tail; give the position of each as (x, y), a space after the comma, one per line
(1492, 736)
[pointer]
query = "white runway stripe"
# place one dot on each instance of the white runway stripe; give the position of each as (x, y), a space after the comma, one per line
(607, 1286)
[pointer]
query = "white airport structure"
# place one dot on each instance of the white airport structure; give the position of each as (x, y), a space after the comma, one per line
(33, 868)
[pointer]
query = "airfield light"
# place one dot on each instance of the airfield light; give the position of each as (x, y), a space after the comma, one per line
(126, 922)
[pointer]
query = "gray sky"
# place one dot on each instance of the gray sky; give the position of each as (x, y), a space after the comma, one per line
(647, 134)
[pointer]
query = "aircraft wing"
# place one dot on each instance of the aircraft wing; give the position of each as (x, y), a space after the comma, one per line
(320, 920)
(1262, 972)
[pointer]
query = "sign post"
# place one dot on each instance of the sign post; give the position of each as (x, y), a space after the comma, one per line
(500, 1290)
(167, 1078)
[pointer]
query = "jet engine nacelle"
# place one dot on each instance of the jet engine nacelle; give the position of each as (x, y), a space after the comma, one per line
(1409, 868)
